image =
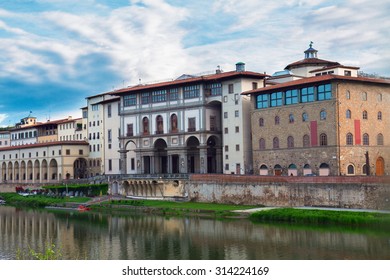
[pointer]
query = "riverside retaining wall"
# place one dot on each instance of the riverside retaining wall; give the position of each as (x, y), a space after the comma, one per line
(340, 192)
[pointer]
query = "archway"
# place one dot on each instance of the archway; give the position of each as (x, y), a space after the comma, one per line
(212, 154)
(292, 170)
(53, 169)
(380, 166)
(307, 169)
(161, 156)
(277, 170)
(193, 165)
(263, 170)
(324, 169)
(36, 170)
(79, 169)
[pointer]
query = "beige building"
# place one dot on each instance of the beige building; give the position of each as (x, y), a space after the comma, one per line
(329, 122)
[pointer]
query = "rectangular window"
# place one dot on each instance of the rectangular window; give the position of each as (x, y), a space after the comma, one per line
(291, 96)
(262, 101)
(236, 113)
(227, 166)
(173, 94)
(109, 164)
(225, 115)
(85, 114)
(213, 123)
(109, 135)
(95, 107)
(109, 111)
(226, 148)
(159, 96)
(276, 99)
(67, 152)
(307, 94)
(214, 89)
(191, 91)
(231, 88)
(191, 124)
(254, 85)
(132, 163)
(129, 100)
(145, 98)
(129, 129)
(347, 73)
(237, 129)
(237, 147)
(324, 92)
(81, 152)
(226, 130)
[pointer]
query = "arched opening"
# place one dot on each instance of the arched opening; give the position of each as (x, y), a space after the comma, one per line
(16, 167)
(292, 170)
(161, 156)
(159, 125)
(193, 165)
(212, 155)
(307, 170)
(4, 171)
(350, 170)
(29, 170)
(23, 171)
(324, 169)
(145, 126)
(53, 167)
(115, 188)
(263, 170)
(174, 123)
(79, 169)
(277, 170)
(10, 171)
(44, 169)
(380, 166)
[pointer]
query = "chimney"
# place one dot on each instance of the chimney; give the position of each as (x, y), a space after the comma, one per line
(240, 66)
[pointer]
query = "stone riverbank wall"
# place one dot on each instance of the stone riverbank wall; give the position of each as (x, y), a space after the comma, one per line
(339, 191)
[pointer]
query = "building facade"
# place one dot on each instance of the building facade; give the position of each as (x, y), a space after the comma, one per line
(329, 122)
(194, 124)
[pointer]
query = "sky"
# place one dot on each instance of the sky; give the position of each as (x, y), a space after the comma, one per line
(55, 53)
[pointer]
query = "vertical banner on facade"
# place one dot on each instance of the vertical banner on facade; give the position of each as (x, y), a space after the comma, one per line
(358, 140)
(313, 133)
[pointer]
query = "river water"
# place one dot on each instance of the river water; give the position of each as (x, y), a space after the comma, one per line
(102, 236)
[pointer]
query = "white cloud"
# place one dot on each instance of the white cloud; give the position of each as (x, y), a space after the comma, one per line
(2, 118)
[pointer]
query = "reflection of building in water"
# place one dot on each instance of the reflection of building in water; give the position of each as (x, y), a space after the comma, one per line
(139, 236)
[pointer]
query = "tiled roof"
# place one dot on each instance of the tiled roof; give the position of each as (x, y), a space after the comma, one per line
(46, 144)
(311, 62)
(332, 67)
(206, 78)
(316, 79)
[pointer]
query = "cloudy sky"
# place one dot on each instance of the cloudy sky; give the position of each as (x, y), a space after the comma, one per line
(54, 53)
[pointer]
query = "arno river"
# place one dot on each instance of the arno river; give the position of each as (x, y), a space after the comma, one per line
(101, 236)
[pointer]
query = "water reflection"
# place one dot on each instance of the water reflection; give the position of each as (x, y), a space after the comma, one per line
(140, 236)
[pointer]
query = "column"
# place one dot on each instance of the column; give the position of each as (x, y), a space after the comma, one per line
(123, 159)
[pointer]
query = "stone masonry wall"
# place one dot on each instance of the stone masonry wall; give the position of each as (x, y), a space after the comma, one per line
(340, 192)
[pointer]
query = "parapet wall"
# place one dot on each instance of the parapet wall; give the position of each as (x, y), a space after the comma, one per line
(340, 192)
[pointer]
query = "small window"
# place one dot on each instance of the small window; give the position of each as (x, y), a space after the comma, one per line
(227, 166)
(305, 117)
(306, 140)
(275, 143)
(379, 97)
(231, 88)
(364, 96)
(226, 148)
(348, 114)
(237, 148)
(225, 115)
(291, 118)
(366, 139)
(323, 139)
(67, 152)
(237, 129)
(365, 116)
(254, 85)
(347, 95)
(379, 116)
(349, 139)
(262, 144)
(277, 120)
(350, 170)
(290, 142)
(226, 130)
(379, 139)
(323, 115)
(261, 122)
(236, 113)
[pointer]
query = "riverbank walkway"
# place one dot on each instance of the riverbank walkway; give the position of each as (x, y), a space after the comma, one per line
(252, 210)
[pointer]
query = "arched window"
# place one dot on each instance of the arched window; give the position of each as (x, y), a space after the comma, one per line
(291, 118)
(174, 123)
(347, 95)
(277, 120)
(290, 142)
(305, 117)
(379, 139)
(348, 114)
(365, 116)
(145, 125)
(261, 122)
(159, 125)
(323, 139)
(350, 170)
(379, 116)
(323, 114)
(275, 143)
(366, 139)
(306, 140)
(364, 96)
(262, 144)
(349, 139)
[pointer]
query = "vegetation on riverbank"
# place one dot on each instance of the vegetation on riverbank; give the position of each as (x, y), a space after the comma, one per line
(88, 189)
(16, 199)
(50, 252)
(322, 217)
